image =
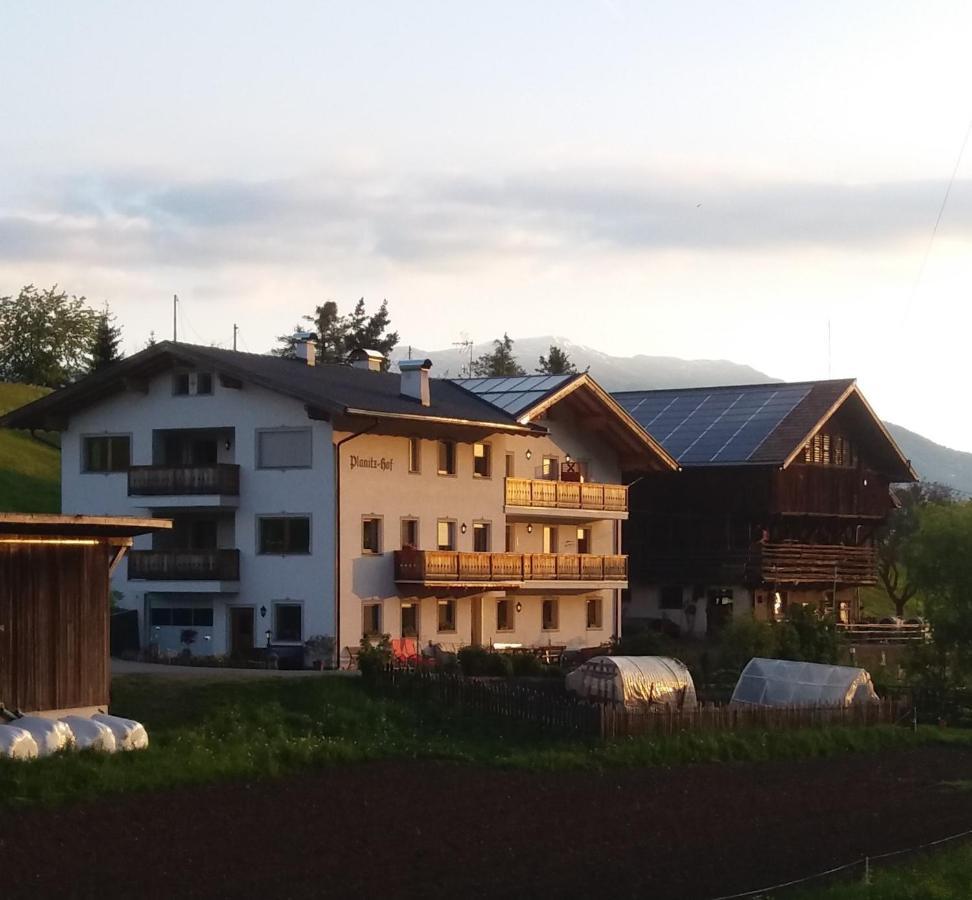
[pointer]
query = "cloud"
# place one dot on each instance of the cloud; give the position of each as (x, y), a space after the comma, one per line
(123, 221)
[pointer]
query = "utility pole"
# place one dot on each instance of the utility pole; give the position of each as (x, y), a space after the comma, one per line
(175, 321)
(236, 329)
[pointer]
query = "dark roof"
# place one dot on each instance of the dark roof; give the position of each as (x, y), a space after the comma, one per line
(514, 394)
(753, 424)
(331, 389)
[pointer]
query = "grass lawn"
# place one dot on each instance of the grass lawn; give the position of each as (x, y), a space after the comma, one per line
(203, 731)
(30, 470)
(945, 874)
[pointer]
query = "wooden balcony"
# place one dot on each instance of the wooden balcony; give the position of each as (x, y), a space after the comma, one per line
(451, 567)
(184, 565)
(780, 563)
(221, 479)
(572, 496)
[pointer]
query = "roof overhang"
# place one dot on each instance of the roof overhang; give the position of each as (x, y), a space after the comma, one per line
(638, 449)
(898, 468)
(40, 524)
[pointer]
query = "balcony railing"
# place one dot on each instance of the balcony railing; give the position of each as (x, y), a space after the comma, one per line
(221, 478)
(184, 565)
(566, 494)
(451, 566)
(814, 563)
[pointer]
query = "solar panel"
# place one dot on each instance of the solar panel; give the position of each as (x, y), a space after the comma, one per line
(713, 425)
(514, 393)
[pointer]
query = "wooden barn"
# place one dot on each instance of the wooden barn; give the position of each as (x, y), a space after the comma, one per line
(781, 490)
(54, 608)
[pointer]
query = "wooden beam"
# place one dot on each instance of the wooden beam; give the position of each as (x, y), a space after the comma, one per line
(116, 558)
(317, 414)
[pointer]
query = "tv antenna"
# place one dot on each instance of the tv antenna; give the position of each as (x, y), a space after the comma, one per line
(465, 345)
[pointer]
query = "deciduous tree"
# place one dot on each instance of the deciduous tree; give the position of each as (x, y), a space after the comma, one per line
(45, 336)
(893, 538)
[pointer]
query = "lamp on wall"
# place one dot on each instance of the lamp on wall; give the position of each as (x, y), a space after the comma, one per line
(263, 612)
(529, 454)
(462, 528)
(529, 529)
(227, 443)
(519, 606)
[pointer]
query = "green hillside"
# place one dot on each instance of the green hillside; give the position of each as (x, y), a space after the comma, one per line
(30, 470)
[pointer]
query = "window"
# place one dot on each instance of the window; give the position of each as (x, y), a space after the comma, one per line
(185, 383)
(107, 453)
(481, 540)
(510, 464)
(447, 457)
(371, 534)
(830, 450)
(594, 612)
(288, 622)
(671, 596)
(410, 620)
(185, 617)
(504, 615)
(446, 535)
(482, 460)
(550, 468)
(549, 538)
(284, 448)
(414, 455)
(180, 383)
(583, 540)
(284, 534)
(371, 624)
(447, 615)
(410, 534)
(510, 538)
(548, 614)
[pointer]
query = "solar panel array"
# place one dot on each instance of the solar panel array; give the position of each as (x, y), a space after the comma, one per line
(516, 393)
(712, 426)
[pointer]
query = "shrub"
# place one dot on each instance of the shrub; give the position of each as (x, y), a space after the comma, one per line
(475, 660)
(807, 636)
(526, 665)
(742, 639)
(372, 658)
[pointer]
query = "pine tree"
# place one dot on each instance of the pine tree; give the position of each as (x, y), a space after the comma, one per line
(500, 362)
(104, 344)
(556, 363)
(338, 335)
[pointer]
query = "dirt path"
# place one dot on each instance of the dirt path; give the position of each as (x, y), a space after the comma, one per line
(398, 829)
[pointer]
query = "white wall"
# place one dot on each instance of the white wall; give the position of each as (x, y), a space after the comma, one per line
(308, 579)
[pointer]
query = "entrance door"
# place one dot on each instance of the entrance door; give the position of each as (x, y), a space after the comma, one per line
(718, 611)
(241, 631)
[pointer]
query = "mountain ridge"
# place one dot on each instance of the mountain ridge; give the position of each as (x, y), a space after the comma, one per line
(932, 461)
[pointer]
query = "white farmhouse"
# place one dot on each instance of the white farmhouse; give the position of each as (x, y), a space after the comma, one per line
(347, 501)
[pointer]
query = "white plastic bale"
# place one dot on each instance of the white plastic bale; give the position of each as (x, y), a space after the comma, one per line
(129, 734)
(90, 734)
(51, 735)
(16, 743)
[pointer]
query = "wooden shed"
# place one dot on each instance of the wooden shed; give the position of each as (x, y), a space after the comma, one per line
(54, 608)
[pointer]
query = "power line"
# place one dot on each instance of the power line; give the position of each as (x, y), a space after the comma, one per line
(938, 221)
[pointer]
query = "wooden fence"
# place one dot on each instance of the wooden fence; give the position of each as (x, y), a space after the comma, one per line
(548, 707)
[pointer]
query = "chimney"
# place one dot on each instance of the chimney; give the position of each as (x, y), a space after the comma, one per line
(415, 379)
(305, 347)
(371, 360)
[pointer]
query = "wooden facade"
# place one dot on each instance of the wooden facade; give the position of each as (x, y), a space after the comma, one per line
(54, 608)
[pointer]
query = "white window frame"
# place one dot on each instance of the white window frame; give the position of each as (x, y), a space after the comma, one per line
(366, 551)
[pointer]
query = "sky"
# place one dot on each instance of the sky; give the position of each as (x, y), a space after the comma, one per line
(706, 180)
